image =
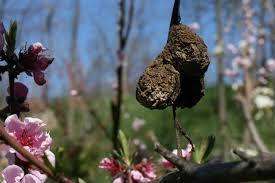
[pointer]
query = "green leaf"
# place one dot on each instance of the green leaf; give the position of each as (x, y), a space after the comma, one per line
(204, 150)
(59, 161)
(124, 147)
(81, 180)
(12, 35)
(48, 163)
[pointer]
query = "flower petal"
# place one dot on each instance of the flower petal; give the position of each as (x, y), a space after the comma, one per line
(51, 157)
(20, 90)
(39, 77)
(42, 177)
(118, 180)
(13, 125)
(37, 48)
(12, 174)
(44, 61)
(29, 178)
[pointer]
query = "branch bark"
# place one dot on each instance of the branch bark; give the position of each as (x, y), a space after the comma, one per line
(221, 87)
(261, 167)
(250, 124)
(123, 37)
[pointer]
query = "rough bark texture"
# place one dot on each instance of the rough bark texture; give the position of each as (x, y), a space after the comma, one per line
(176, 76)
(261, 167)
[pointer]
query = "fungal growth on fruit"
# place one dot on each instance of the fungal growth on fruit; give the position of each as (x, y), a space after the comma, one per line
(176, 76)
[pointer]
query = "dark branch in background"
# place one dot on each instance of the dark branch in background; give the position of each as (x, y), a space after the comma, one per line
(250, 123)
(224, 127)
(98, 121)
(261, 167)
(175, 18)
(122, 41)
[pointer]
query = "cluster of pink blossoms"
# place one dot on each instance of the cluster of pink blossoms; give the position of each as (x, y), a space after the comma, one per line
(143, 172)
(186, 155)
(35, 60)
(30, 134)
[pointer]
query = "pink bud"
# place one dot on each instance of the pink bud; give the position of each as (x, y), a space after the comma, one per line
(111, 166)
(37, 48)
(20, 90)
(39, 77)
(195, 26)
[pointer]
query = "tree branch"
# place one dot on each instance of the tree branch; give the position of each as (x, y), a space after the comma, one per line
(261, 168)
(175, 18)
(250, 124)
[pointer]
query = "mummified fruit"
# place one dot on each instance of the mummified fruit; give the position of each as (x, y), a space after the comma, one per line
(176, 76)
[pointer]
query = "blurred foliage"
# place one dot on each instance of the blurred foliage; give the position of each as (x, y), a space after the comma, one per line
(88, 143)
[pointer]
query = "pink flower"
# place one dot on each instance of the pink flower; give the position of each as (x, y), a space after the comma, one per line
(136, 176)
(139, 177)
(263, 72)
(29, 134)
(262, 80)
(111, 166)
(118, 180)
(270, 65)
(232, 48)
(20, 90)
(34, 60)
(147, 168)
(231, 73)
(138, 124)
(37, 48)
(15, 174)
(186, 155)
(242, 61)
(195, 26)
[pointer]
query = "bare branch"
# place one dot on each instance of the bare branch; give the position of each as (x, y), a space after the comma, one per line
(250, 124)
(262, 168)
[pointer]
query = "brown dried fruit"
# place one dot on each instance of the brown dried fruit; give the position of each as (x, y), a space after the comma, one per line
(176, 76)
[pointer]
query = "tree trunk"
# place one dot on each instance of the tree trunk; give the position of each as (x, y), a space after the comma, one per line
(221, 86)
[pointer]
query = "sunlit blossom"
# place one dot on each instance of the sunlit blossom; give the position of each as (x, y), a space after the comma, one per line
(29, 133)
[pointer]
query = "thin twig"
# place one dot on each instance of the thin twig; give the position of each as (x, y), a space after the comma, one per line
(250, 123)
(179, 129)
(176, 126)
(186, 136)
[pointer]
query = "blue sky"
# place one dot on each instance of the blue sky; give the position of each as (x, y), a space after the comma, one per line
(101, 16)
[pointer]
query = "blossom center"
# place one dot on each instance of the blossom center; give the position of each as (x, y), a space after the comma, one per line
(25, 139)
